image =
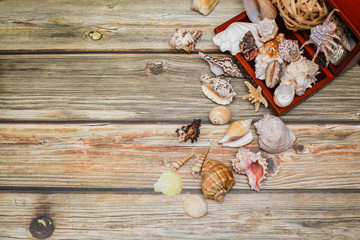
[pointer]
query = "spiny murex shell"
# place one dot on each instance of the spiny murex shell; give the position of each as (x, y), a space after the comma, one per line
(238, 134)
(170, 183)
(267, 29)
(274, 135)
(251, 164)
(184, 39)
(204, 6)
(217, 180)
(219, 115)
(230, 38)
(217, 89)
(195, 206)
(301, 75)
(222, 66)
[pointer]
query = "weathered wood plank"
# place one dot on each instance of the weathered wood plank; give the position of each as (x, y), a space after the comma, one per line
(133, 156)
(128, 25)
(113, 87)
(245, 216)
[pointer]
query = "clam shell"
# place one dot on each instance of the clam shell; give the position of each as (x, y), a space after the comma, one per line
(170, 183)
(217, 180)
(267, 9)
(236, 130)
(195, 206)
(284, 95)
(244, 140)
(252, 9)
(204, 6)
(219, 115)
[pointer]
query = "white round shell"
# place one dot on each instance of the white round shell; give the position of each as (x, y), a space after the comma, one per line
(195, 206)
(284, 95)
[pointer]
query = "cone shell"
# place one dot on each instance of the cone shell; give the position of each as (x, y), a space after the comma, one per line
(236, 130)
(267, 9)
(274, 135)
(170, 183)
(195, 206)
(204, 6)
(196, 170)
(219, 115)
(217, 180)
(251, 164)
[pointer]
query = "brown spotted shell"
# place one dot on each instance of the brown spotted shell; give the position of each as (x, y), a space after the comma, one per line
(217, 180)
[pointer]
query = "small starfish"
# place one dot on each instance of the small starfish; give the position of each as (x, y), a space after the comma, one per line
(255, 96)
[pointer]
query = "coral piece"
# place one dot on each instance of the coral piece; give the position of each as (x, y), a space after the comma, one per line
(222, 66)
(289, 50)
(230, 38)
(236, 130)
(195, 206)
(191, 131)
(217, 89)
(204, 6)
(251, 164)
(267, 29)
(255, 96)
(186, 40)
(284, 95)
(177, 164)
(274, 135)
(217, 180)
(267, 53)
(196, 170)
(301, 75)
(248, 47)
(323, 36)
(170, 183)
(219, 115)
(274, 73)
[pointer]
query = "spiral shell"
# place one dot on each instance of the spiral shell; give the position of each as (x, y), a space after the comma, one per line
(170, 183)
(267, 29)
(284, 95)
(196, 170)
(177, 164)
(219, 115)
(289, 50)
(217, 180)
(236, 130)
(267, 9)
(195, 206)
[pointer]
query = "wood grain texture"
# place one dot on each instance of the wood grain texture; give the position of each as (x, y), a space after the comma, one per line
(129, 25)
(128, 156)
(155, 216)
(127, 87)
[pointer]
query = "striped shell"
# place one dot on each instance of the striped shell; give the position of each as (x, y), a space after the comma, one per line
(217, 180)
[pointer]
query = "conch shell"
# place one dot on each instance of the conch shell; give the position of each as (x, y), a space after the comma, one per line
(195, 206)
(255, 96)
(170, 183)
(204, 6)
(274, 135)
(267, 29)
(230, 38)
(183, 39)
(196, 170)
(248, 46)
(236, 130)
(219, 115)
(177, 164)
(217, 89)
(251, 164)
(222, 66)
(217, 180)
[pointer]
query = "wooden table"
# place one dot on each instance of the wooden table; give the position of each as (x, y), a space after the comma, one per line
(86, 127)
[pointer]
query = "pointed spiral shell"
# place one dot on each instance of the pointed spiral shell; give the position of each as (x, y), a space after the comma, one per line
(177, 164)
(196, 170)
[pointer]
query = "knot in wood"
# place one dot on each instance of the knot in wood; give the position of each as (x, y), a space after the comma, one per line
(95, 35)
(154, 67)
(42, 227)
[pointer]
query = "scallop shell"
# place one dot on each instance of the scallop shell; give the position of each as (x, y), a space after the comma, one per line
(196, 170)
(244, 140)
(217, 180)
(267, 29)
(274, 135)
(219, 115)
(204, 6)
(222, 66)
(195, 206)
(236, 130)
(184, 39)
(267, 9)
(230, 38)
(217, 89)
(284, 95)
(177, 164)
(170, 183)
(268, 53)
(251, 164)
(289, 50)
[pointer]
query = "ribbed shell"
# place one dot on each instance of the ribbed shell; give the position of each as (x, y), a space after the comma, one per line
(217, 180)
(267, 9)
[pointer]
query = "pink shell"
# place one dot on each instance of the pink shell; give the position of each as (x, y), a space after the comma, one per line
(251, 164)
(289, 50)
